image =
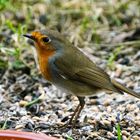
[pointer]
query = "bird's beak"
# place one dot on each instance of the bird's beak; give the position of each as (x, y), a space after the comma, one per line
(29, 36)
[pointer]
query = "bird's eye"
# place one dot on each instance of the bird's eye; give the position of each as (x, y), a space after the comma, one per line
(46, 39)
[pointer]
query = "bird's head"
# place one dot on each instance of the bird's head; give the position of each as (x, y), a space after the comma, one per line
(47, 40)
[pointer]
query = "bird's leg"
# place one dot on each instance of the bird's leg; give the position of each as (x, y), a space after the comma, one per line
(76, 115)
(71, 119)
(73, 115)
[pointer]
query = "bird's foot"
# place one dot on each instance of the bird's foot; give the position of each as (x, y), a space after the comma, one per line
(68, 125)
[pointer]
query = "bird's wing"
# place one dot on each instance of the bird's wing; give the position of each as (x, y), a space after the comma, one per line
(95, 77)
(78, 67)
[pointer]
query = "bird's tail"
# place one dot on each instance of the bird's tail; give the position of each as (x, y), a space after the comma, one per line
(124, 89)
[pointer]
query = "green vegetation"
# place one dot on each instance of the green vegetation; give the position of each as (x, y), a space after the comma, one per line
(4, 126)
(69, 138)
(113, 56)
(119, 135)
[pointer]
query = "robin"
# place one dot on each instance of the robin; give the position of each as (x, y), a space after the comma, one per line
(68, 68)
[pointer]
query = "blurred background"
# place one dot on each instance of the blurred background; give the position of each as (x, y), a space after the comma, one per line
(108, 31)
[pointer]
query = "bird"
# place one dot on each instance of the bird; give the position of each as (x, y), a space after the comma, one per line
(69, 69)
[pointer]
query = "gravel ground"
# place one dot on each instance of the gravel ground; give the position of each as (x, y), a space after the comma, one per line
(21, 82)
(98, 120)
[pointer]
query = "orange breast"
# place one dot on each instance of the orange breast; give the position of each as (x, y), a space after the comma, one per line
(43, 63)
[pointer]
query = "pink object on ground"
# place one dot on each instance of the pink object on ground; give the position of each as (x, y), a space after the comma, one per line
(19, 135)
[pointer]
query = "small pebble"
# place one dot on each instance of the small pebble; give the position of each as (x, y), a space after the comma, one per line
(131, 129)
(65, 119)
(58, 136)
(34, 109)
(94, 102)
(118, 72)
(95, 134)
(19, 126)
(137, 123)
(103, 132)
(109, 109)
(123, 123)
(29, 125)
(124, 132)
(13, 108)
(95, 109)
(136, 137)
(135, 68)
(124, 138)
(87, 128)
(28, 98)
(22, 112)
(106, 122)
(137, 89)
(136, 111)
(109, 134)
(36, 118)
(93, 122)
(43, 125)
(41, 108)
(124, 61)
(107, 102)
(131, 107)
(137, 118)
(113, 119)
(23, 103)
